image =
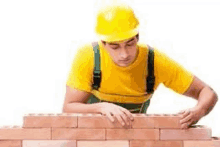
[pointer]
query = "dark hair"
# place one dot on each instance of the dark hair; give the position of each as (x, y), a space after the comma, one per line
(137, 36)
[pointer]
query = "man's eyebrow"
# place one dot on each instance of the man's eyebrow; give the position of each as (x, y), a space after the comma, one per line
(111, 43)
(130, 40)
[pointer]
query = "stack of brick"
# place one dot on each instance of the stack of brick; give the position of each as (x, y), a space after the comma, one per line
(93, 130)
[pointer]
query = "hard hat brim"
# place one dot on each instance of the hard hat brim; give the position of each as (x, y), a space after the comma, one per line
(119, 36)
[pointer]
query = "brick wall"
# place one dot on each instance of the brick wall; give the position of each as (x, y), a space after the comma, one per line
(94, 130)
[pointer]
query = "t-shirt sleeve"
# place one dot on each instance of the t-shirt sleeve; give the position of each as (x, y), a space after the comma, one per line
(80, 75)
(171, 74)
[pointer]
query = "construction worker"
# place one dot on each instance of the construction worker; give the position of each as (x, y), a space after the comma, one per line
(117, 75)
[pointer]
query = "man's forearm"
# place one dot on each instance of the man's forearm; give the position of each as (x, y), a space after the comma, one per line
(81, 108)
(207, 99)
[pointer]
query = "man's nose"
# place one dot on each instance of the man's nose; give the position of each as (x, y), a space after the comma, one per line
(124, 53)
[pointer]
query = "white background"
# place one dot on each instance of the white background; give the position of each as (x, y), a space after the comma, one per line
(38, 39)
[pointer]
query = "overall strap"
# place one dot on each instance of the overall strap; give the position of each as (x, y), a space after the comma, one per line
(150, 78)
(96, 71)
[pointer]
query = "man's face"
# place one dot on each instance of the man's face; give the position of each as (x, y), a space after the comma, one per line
(122, 50)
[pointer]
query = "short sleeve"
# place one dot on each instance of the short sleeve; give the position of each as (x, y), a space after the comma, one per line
(80, 75)
(171, 74)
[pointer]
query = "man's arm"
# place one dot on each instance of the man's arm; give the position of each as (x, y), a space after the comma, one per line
(76, 102)
(206, 97)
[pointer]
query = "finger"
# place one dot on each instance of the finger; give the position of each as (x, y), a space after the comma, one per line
(186, 125)
(124, 116)
(181, 112)
(189, 123)
(119, 117)
(186, 119)
(128, 119)
(187, 112)
(194, 122)
(110, 117)
(128, 113)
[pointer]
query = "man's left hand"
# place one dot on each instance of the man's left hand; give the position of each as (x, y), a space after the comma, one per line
(190, 116)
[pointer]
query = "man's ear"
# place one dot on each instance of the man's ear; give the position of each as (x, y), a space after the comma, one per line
(137, 36)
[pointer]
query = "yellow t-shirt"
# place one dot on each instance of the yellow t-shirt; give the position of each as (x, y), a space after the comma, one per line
(126, 84)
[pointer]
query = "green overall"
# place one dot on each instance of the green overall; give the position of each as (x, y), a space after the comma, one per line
(133, 108)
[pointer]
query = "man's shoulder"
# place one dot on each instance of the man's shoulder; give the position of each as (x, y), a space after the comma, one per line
(83, 52)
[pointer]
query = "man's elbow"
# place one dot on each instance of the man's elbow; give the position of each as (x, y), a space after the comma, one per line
(216, 97)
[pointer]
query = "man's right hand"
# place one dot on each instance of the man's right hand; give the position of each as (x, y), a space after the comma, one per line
(110, 110)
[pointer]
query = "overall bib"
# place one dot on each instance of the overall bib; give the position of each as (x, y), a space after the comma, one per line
(150, 80)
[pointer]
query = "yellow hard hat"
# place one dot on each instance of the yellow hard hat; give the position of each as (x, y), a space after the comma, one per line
(116, 23)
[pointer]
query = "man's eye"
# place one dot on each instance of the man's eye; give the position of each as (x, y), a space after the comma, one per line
(114, 47)
(131, 44)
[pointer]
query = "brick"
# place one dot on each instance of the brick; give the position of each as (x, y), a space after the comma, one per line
(167, 121)
(10, 143)
(140, 121)
(117, 143)
(18, 133)
(156, 121)
(143, 121)
(139, 143)
(97, 121)
(49, 143)
(146, 134)
(78, 134)
(215, 142)
(192, 133)
(50, 120)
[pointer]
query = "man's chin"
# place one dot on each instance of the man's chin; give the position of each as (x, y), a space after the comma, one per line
(123, 64)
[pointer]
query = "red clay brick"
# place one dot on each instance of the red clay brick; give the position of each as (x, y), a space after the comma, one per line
(215, 142)
(146, 134)
(10, 143)
(73, 134)
(97, 121)
(18, 133)
(117, 143)
(192, 133)
(156, 121)
(167, 121)
(50, 120)
(49, 143)
(140, 121)
(140, 143)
